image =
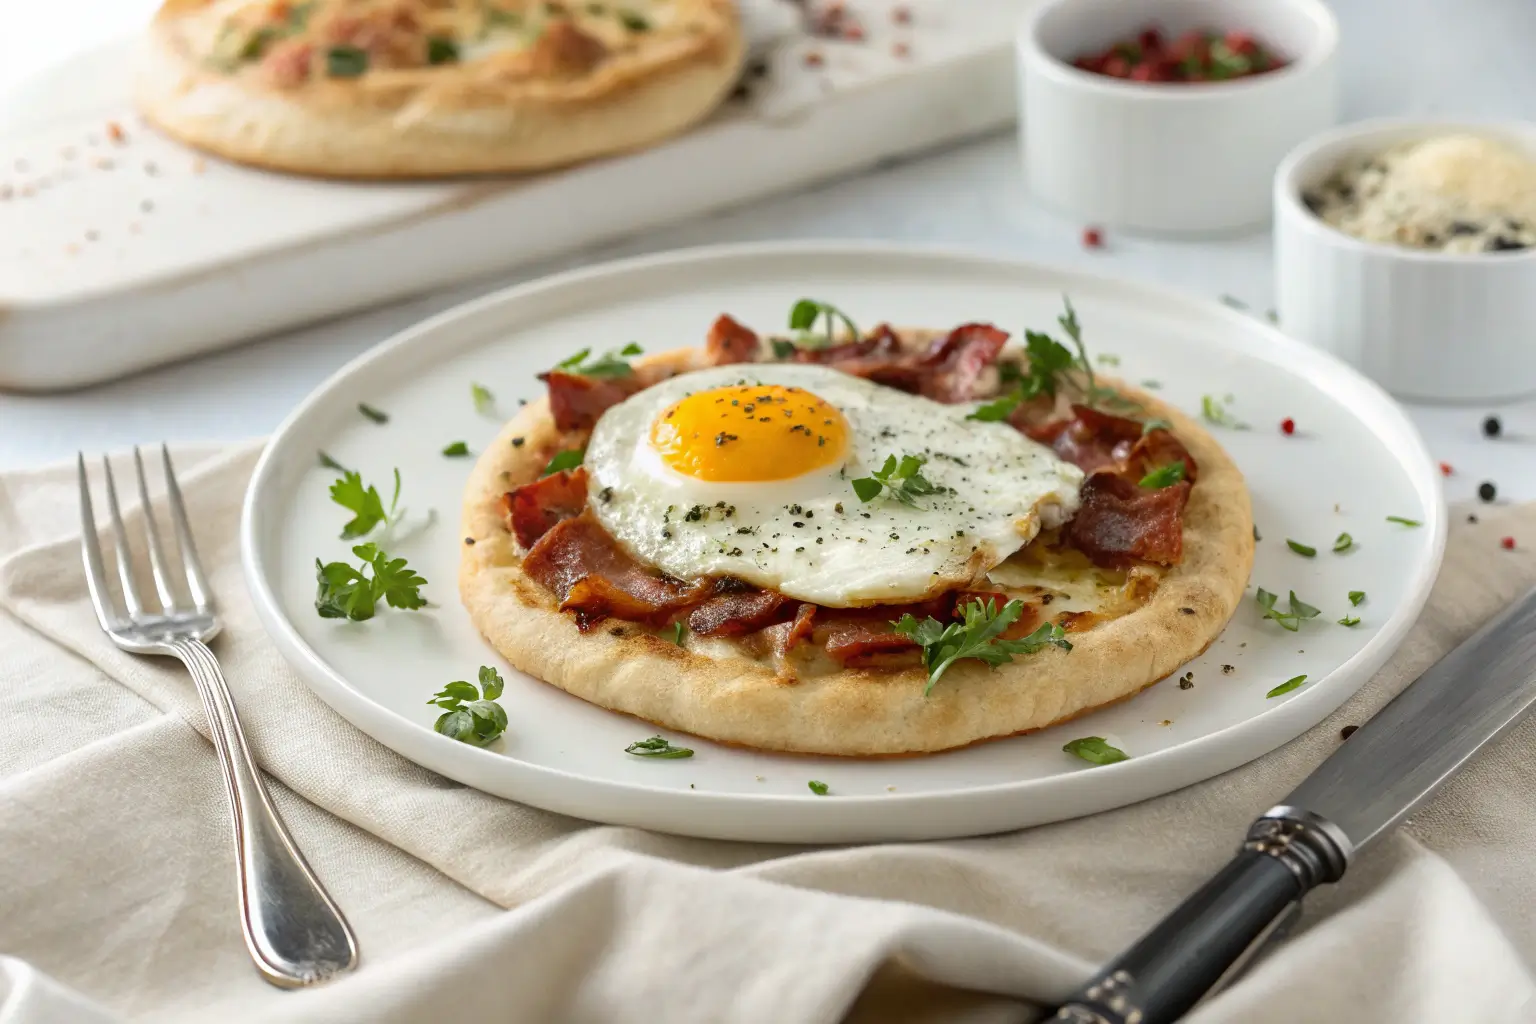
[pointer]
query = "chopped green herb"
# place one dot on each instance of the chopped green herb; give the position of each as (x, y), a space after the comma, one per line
(804, 314)
(1405, 522)
(568, 459)
(1068, 322)
(1344, 542)
(1305, 550)
(657, 747)
(346, 592)
(819, 788)
(1290, 620)
(903, 480)
(1234, 302)
(456, 449)
(1095, 750)
(975, 637)
(469, 716)
(364, 503)
(1108, 360)
(1350, 620)
(442, 51)
(675, 634)
(345, 61)
(634, 22)
(485, 402)
(372, 413)
(1152, 385)
(610, 364)
(1164, 476)
(1155, 424)
(998, 409)
(1286, 687)
(1213, 411)
(1356, 596)
(330, 463)
(783, 349)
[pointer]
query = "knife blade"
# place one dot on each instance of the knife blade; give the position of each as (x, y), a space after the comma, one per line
(1381, 773)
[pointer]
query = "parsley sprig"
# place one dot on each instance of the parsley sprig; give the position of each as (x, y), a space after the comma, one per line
(1286, 687)
(657, 747)
(364, 503)
(901, 478)
(1292, 619)
(469, 716)
(612, 363)
(1164, 476)
(1048, 360)
(802, 319)
(568, 459)
(977, 636)
(1214, 410)
(485, 402)
(348, 592)
(1095, 750)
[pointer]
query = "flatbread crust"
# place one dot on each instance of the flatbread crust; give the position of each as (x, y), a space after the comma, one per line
(852, 712)
(442, 120)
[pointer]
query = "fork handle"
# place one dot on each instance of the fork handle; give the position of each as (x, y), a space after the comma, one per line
(292, 928)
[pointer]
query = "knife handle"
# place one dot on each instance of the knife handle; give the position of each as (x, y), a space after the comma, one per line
(1212, 934)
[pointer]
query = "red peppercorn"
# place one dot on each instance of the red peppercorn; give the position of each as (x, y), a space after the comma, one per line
(115, 131)
(901, 14)
(1445, 469)
(1508, 543)
(854, 33)
(1117, 67)
(813, 59)
(1287, 426)
(902, 50)
(1093, 238)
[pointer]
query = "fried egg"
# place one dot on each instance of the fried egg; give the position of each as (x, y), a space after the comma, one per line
(748, 471)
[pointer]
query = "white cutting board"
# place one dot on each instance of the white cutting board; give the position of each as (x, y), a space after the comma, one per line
(119, 254)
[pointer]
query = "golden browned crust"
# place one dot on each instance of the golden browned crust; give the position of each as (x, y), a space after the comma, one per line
(444, 120)
(727, 696)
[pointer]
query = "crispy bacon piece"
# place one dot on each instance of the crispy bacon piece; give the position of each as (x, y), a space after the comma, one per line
(533, 509)
(287, 64)
(563, 50)
(576, 401)
(1159, 448)
(1091, 440)
(735, 613)
(955, 363)
(1120, 522)
(866, 642)
(582, 565)
(729, 342)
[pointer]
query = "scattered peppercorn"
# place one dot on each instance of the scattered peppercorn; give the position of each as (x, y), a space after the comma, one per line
(115, 131)
(1471, 518)
(470, 541)
(1445, 469)
(1093, 238)
(1186, 683)
(902, 50)
(1195, 56)
(814, 60)
(901, 14)
(1287, 426)
(1227, 670)
(1492, 427)
(1348, 731)
(1486, 491)
(1508, 543)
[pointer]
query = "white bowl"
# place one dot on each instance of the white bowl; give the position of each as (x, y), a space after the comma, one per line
(1424, 325)
(1169, 157)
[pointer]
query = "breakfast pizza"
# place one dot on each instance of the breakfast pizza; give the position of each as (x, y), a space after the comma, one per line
(409, 88)
(839, 542)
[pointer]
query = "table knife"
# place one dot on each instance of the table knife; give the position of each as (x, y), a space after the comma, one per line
(1380, 773)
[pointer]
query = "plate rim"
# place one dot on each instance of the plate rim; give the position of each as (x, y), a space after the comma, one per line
(1291, 718)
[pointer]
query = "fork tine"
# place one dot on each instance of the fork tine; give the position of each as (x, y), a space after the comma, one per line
(90, 551)
(156, 555)
(197, 583)
(120, 543)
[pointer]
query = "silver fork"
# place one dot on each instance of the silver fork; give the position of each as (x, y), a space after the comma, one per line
(292, 928)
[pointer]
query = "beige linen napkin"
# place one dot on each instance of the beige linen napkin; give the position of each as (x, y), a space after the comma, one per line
(117, 880)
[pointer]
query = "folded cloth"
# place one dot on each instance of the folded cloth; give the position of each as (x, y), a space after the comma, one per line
(117, 901)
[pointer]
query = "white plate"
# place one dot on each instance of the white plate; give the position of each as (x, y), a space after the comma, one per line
(1354, 460)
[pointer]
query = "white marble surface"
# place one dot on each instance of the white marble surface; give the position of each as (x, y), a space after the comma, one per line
(1400, 57)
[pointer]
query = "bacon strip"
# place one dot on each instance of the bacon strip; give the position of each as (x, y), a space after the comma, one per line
(576, 401)
(732, 614)
(865, 642)
(592, 576)
(1120, 522)
(533, 509)
(949, 371)
(729, 342)
(1089, 439)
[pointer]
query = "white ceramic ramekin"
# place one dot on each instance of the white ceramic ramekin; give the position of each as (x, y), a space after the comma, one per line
(1423, 325)
(1167, 157)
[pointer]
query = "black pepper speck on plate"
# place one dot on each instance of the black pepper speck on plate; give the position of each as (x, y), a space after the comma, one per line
(1486, 491)
(1492, 427)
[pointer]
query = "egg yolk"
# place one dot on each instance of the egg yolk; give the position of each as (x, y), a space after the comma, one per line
(750, 432)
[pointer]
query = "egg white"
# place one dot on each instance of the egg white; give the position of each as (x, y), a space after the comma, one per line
(810, 537)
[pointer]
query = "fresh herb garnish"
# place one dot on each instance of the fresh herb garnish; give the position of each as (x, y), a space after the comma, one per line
(1164, 476)
(675, 634)
(1048, 359)
(364, 503)
(346, 592)
(998, 409)
(485, 402)
(975, 637)
(1286, 687)
(568, 459)
(1234, 302)
(442, 51)
(1108, 360)
(1213, 411)
(1344, 542)
(1405, 522)
(1305, 550)
(345, 61)
(782, 349)
(902, 479)
(804, 314)
(1152, 385)
(610, 364)
(1095, 750)
(1350, 620)
(1068, 322)
(1356, 596)
(456, 449)
(658, 747)
(1292, 619)
(634, 22)
(330, 463)
(372, 413)
(1155, 424)
(469, 716)
(819, 788)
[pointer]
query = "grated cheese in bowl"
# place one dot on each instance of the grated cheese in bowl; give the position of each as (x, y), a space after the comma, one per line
(1453, 194)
